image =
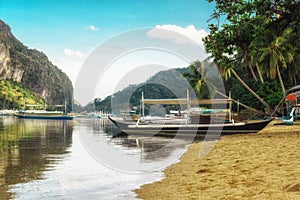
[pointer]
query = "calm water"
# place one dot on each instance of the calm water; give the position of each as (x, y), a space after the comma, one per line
(78, 159)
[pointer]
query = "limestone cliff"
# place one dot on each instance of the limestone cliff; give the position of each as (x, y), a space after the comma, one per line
(32, 68)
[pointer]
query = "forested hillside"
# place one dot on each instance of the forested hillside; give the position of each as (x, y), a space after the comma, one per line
(33, 69)
(166, 84)
(13, 95)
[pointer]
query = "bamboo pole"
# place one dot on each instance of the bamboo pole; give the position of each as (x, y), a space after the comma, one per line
(241, 104)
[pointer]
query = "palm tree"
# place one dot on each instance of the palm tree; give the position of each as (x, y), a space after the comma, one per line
(277, 55)
(198, 77)
(228, 70)
(248, 60)
(250, 90)
(294, 70)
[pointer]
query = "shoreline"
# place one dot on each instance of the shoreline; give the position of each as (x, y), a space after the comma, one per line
(263, 165)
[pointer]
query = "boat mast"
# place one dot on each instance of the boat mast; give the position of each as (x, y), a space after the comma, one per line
(188, 102)
(143, 106)
(45, 104)
(65, 106)
(230, 107)
(24, 101)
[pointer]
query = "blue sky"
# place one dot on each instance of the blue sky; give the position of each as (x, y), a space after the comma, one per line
(67, 31)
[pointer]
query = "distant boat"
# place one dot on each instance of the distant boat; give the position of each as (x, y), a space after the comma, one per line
(43, 114)
(6, 112)
(87, 116)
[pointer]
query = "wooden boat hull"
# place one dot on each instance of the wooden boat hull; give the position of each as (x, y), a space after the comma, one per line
(51, 117)
(191, 129)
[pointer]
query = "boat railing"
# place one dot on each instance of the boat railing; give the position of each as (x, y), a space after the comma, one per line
(182, 121)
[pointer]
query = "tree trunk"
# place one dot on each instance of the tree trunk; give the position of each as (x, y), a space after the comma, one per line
(251, 91)
(259, 74)
(281, 81)
(253, 73)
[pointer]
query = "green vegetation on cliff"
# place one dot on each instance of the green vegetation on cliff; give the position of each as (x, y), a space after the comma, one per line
(32, 68)
(12, 95)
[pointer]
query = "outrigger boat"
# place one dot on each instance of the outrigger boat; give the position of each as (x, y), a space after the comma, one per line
(220, 121)
(43, 114)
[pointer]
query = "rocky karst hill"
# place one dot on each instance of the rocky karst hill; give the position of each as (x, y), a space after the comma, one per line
(32, 68)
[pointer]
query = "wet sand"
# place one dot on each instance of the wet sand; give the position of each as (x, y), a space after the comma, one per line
(265, 165)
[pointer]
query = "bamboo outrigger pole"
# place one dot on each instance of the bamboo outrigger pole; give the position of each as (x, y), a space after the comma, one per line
(241, 104)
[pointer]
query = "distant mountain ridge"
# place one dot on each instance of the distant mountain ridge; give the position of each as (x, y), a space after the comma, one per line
(32, 68)
(163, 85)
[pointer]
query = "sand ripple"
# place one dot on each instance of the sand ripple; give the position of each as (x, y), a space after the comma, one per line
(265, 165)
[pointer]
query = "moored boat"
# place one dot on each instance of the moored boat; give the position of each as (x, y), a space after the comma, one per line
(42, 114)
(146, 128)
(215, 121)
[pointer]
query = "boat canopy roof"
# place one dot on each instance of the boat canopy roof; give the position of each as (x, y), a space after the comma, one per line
(43, 105)
(297, 87)
(292, 96)
(185, 101)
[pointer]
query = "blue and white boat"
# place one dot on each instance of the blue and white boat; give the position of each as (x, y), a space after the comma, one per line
(293, 106)
(42, 114)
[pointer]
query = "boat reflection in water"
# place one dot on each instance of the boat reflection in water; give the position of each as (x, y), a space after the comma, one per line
(52, 159)
(29, 148)
(150, 148)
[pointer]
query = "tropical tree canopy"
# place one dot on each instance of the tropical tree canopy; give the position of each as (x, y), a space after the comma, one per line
(197, 75)
(261, 35)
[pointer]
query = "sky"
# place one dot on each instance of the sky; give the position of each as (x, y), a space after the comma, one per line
(68, 31)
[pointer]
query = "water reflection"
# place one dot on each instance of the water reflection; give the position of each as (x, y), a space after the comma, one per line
(151, 147)
(42, 159)
(29, 147)
(137, 152)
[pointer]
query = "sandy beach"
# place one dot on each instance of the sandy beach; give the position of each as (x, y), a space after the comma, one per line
(265, 165)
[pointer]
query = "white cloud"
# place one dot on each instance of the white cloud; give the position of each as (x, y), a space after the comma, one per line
(73, 54)
(91, 28)
(170, 32)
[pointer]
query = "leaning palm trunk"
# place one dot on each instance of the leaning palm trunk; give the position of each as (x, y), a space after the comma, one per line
(281, 81)
(259, 74)
(253, 73)
(244, 105)
(251, 91)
